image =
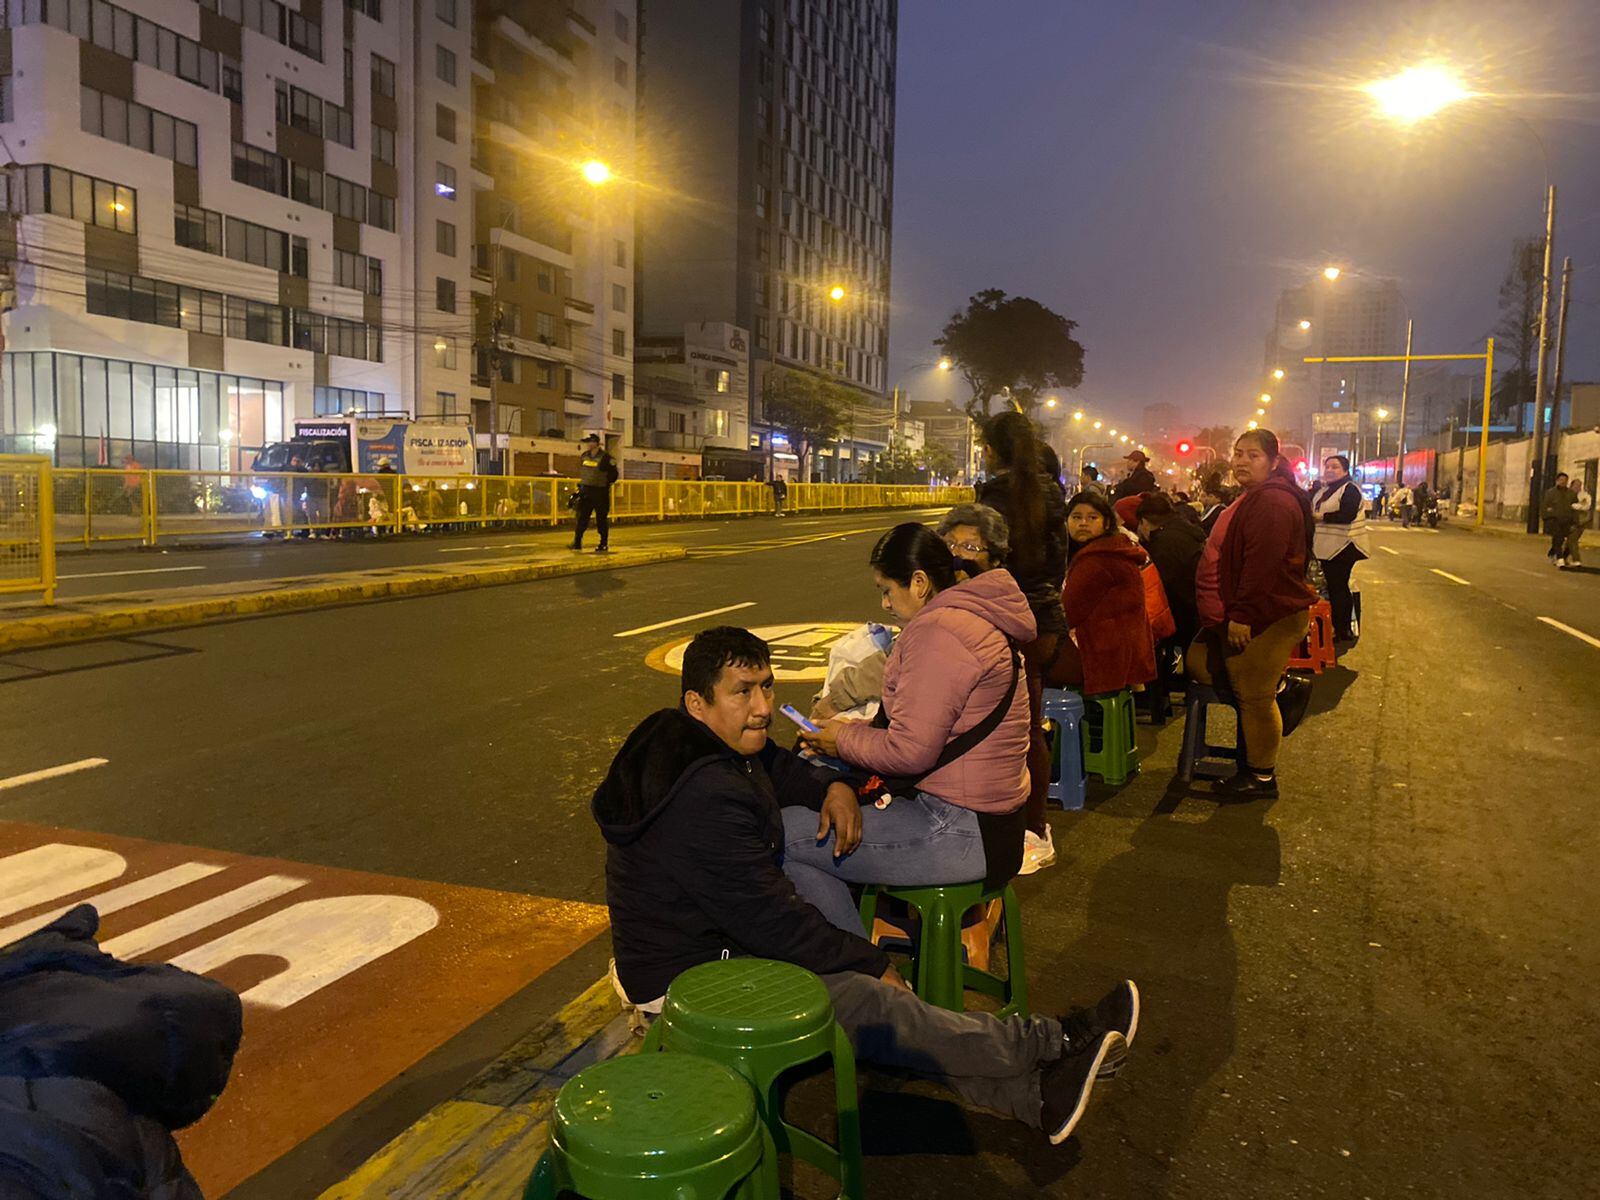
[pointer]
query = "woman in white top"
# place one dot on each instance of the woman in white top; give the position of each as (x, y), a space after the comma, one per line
(1341, 538)
(1582, 514)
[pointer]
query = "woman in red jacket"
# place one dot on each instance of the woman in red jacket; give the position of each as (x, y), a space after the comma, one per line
(1110, 647)
(1251, 591)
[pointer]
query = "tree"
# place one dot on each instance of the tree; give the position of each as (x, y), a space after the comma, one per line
(805, 408)
(938, 462)
(1518, 329)
(1011, 344)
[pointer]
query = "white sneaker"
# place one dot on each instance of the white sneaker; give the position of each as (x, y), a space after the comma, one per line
(1037, 852)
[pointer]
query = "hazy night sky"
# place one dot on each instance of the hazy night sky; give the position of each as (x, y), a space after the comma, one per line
(1158, 170)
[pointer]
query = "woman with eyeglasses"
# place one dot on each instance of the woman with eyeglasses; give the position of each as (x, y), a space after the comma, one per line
(977, 537)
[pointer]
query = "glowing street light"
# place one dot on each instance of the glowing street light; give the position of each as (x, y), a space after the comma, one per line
(1305, 325)
(1253, 425)
(1124, 438)
(1113, 433)
(946, 365)
(1331, 273)
(1261, 412)
(1383, 414)
(1417, 92)
(1277, 372)
(595, 173)
(1265, 397)
(836, 293)
(1078, 416)
(1051, 402)
(1097, 424)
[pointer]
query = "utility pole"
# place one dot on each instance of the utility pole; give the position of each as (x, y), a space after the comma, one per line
(1405, 395)
(1552, 457)
(1536, 464)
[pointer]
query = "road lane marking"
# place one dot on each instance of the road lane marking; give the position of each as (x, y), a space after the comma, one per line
(191, 920)
(117, 899)
(1577, 633)
(1387, 550)
(141, 571)
(83, 764)
(1450, 577)
(710, 612)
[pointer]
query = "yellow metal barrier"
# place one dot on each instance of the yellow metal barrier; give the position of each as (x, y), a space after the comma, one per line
(105, 504)
(27, 528)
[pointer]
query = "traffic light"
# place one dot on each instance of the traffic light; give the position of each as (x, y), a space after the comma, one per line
(1185, 447)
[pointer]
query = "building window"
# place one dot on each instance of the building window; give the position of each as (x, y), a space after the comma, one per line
(358, 271)
(544, 328)
(619, 387)
(444, 122)
(621, 256)
(335, 401)
(383, 144)
(370, 8)
(547, 375)
(445, 404)
(444, 353)
(142, 128)
(619, 342)
(547, 279)
(444, 180)
(444, 295)
(722, 381)
(619, 298)
(41, 189)
(444, 64)
(624, 27)
(445, 10)
(764, 26)
(762, 196)
(382, 76)
(619, 72)
(197, 228)
(444, 238)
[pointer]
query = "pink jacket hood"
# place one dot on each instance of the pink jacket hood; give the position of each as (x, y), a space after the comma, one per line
(949, 669)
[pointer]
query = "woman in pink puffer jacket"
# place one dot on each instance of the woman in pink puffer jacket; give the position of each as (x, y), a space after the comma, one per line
(952, 666)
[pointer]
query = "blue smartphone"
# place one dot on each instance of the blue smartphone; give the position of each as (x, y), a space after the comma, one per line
(793, 714)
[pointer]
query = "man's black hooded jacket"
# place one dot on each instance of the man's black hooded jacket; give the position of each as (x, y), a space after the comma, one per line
(695, 839)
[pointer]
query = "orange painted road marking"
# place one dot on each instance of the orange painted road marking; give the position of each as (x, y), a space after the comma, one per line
(348, 977)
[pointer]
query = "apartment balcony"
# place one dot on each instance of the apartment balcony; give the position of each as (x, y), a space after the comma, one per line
(579, 312)
(539, 348)
(551, 53)
(667, 439)
(581, 27)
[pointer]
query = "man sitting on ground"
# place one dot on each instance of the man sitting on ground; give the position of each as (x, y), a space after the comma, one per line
(690, 810)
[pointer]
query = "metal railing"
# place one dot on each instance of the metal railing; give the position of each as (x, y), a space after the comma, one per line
(27, 529)
(93, 505)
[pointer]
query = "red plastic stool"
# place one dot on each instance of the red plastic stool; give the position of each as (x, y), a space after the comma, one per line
(1316, 652)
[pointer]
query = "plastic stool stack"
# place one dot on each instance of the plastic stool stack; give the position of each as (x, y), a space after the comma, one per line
(939, 975)
(762, 1018)
(656, 1127)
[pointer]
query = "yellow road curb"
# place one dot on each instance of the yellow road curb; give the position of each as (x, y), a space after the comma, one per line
(128, 614)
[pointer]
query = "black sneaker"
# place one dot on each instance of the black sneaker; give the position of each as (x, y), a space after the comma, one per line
(1117, 1011)
(602, 549)
(1065, 1084)
(1246, 786)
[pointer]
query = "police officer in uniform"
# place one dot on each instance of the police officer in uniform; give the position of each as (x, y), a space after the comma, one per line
(596, 473)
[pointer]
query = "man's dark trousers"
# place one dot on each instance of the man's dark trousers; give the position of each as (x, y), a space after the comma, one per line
(595, 501)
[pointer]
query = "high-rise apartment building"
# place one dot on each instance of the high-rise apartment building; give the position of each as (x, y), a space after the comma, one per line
(225, 216)
(767, 134)
(552, 228)
(1343, 316)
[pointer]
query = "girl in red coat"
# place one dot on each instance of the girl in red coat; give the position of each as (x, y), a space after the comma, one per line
(1110, 647)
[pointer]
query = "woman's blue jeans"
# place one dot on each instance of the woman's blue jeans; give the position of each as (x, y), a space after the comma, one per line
(916, 841)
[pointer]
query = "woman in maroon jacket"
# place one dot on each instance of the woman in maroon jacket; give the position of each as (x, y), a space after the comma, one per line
(1250, 588)
(1110, 647)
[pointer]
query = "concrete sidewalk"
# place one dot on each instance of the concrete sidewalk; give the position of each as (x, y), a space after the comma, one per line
(30, 624)
(1591, 537)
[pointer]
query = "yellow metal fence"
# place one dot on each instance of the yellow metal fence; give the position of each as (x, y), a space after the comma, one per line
(27, 530)
(106, 505)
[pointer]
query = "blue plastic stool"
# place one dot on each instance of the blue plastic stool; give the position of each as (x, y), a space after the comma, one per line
(1063, 709)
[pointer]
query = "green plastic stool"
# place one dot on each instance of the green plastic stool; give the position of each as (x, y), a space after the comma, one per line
(939, 974)
(761, 1018)
(654, 1127)
(1110, 745)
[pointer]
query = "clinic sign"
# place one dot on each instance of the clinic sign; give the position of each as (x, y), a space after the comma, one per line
(347, 978)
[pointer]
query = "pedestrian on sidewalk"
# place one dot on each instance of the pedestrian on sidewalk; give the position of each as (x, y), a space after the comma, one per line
(1253, 598)
(780, 493)
(1556, 508)
(692, 813)
(597, 471)
(1342, 539)
(1036, 518)
(1582, 516)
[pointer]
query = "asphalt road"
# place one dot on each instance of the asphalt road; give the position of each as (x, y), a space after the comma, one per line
(1380, 985)
(105, 570)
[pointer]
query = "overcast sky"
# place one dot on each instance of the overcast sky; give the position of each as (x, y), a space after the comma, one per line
(1158, 170)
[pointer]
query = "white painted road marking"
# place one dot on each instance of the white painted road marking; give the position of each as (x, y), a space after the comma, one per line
(710, 612)
(191, 920)
(1387, 550)
(83, 764)
(142, 571)
(116, 899)
(1577, 633)
(1450, 577)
